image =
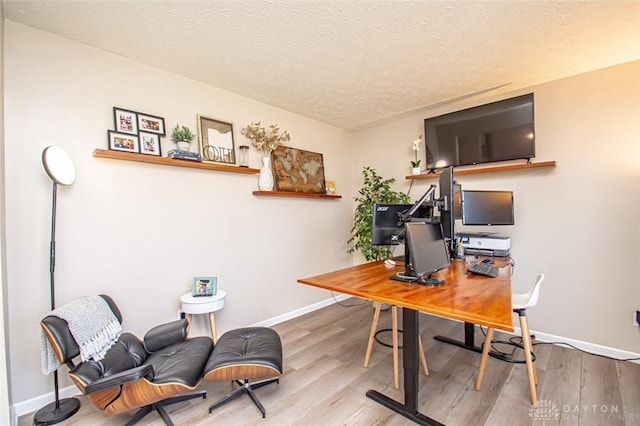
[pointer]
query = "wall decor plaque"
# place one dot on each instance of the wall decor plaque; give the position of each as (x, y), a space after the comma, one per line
(297, 170)
(216, 140)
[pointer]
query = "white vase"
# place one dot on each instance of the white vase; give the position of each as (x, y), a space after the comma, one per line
(415, 170)
(183, 146)
(265, 180)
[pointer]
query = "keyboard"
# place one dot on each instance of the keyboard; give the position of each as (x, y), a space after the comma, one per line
(485, 269)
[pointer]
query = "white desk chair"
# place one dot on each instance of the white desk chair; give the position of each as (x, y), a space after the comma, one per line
(520, 303)
(394, 340)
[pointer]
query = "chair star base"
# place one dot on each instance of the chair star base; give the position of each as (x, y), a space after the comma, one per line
(248, 388)
(160, 408)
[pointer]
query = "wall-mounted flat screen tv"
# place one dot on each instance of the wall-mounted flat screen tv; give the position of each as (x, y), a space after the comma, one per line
(498, 131)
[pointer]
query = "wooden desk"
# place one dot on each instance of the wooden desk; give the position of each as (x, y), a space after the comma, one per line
(469, 298)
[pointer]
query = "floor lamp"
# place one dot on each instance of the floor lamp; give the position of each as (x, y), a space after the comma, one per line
(60, 169)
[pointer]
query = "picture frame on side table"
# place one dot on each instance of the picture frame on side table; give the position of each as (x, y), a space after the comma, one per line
(125, 121)
(151, 124)
(216, 140)
(150, 143)
(119, 141)
(204, 286)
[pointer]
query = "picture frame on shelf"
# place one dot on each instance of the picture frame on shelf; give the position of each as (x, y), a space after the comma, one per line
(330, 187)
(150, 143)
(119, 141)
(151, 124)
(125, 121)
(216, 140)
(204, 286)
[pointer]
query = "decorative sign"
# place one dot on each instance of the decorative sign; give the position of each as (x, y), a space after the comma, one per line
(216, 140)
(296, 170)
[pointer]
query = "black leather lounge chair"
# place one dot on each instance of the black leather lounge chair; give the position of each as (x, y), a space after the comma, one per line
(147, 374)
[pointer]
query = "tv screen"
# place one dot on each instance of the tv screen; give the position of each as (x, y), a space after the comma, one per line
(487, 208)
(498, 131)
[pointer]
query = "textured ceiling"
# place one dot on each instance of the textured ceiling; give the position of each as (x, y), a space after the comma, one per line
(352, 64)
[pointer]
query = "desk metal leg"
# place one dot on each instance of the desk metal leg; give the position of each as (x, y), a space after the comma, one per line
(410, 366)
(470, 344)
(468, 339)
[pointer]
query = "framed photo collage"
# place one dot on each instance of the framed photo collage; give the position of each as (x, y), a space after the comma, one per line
(136, 132)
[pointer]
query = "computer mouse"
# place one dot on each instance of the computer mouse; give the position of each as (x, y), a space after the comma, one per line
(390, 262)
(489, 261)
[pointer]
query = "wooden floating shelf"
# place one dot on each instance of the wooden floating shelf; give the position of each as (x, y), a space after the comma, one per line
(154, 159)
(295, 194)
(492, 169)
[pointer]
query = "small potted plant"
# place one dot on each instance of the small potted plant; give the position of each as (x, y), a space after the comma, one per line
(415, 165)
(182, 136)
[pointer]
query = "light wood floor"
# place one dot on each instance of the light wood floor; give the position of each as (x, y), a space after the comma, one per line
(324, 382)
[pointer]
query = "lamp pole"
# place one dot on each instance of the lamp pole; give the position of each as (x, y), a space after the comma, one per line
(59, 167)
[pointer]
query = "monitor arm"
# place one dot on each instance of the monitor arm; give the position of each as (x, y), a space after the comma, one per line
(409, 214)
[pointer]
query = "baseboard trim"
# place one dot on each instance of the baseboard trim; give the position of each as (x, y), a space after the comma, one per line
(301, 311)
(593, 348)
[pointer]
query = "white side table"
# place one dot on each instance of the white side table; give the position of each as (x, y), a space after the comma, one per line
(204, 305)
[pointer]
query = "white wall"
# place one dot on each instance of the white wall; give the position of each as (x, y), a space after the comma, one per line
(140, 232)
(577, 222)
(4, 384)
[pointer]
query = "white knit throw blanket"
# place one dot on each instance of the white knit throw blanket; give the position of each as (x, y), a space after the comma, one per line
(93, 326)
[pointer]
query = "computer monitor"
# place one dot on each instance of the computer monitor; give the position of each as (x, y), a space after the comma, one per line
(450, 210)
(487, 208)
(457, 201)
(387, 227)
(427, 250)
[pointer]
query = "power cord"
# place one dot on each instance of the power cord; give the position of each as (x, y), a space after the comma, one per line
(513, 341)
(586, 352)
(364, 301)
(410, 186)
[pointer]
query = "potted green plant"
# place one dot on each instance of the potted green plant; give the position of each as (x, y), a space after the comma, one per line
(415, 146)
(182, 136)
(375, 190)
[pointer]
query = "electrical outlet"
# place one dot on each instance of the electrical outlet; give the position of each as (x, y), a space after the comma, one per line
(636, 318)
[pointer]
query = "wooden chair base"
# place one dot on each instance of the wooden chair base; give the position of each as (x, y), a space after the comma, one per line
(394, 337)
(526, 343)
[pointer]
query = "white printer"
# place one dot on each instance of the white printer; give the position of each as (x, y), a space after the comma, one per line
(485, 244)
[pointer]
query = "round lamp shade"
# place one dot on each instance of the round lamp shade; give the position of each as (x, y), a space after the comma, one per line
(58, 165)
